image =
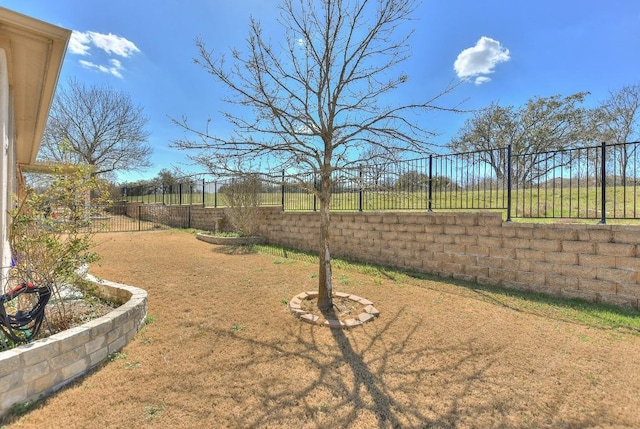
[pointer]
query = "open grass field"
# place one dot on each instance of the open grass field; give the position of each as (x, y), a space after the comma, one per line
(221, 350)
(543, 201)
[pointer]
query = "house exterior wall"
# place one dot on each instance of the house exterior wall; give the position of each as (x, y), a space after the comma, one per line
(6, 175)
(31, 54)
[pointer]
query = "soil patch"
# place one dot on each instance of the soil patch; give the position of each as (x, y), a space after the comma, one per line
(223, 350)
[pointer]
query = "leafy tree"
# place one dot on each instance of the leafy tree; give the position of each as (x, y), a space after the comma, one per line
(542, 125)
(412, 181)
(314, 101)
(617, 120)
(97, 126)
(167, 177)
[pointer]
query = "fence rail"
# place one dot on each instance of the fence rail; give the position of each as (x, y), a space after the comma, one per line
(600, 182)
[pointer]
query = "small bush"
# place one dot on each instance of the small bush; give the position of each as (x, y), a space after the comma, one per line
(50, 234)
(243, 197)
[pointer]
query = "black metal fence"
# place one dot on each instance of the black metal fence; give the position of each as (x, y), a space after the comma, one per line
(599, 182)
(123, 218)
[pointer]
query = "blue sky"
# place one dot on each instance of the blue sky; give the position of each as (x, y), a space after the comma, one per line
(508, 51)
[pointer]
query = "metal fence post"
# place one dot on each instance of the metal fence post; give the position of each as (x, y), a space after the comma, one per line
(282, 192)
(203, 193)
(509, 185)
(360, 190)
(430, 188)
(315, 188)
(603, 183)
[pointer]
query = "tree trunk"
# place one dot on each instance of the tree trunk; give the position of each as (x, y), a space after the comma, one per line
(325, 290)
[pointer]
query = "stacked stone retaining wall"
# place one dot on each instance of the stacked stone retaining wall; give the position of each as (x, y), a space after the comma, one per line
(595, 262)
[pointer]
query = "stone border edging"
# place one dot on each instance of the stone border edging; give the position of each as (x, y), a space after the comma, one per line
(369, 313)
(32, 371)
(229, 241)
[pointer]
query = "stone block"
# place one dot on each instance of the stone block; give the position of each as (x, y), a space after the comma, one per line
(98, 356)
(598, 286)
(628, 263)
(73, 338)
(44, 383)
(579, 271)
(33, 372)
(10, 361)
(517, 243)
(67, 358)
(371, 310)
(14, 396)
(581, 247)
(578, 293)
(74, 369)
(116, 345)
(597, 261)
(616, 275)
(502, 252)
(530, 255)
(616, 249)
(546, 245)
(40, 350)
(476, 271)
(561, 258)
(628, 289)
(309, 318)
(365, 317)
(556, 281)
(11, 381)
(333, 323)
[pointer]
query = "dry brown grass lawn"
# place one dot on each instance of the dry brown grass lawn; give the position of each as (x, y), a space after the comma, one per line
(223, 351)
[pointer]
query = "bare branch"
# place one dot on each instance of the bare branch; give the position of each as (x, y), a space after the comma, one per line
(96, 126)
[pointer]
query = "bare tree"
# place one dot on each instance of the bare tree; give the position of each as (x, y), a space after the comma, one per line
(97, 126)
(316, 100)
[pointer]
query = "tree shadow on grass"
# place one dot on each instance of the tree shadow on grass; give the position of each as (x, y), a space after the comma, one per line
(371, 376)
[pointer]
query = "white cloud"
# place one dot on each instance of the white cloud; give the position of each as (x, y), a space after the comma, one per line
(112, 44)
(114, 68)
(480, 60)
(481, 79)
(79, 43)
(82, 43)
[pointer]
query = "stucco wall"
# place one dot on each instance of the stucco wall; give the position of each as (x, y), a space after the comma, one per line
(33, 370)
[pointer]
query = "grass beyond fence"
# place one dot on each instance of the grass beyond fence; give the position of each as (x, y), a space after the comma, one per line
(600, 182)
(539, 202)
